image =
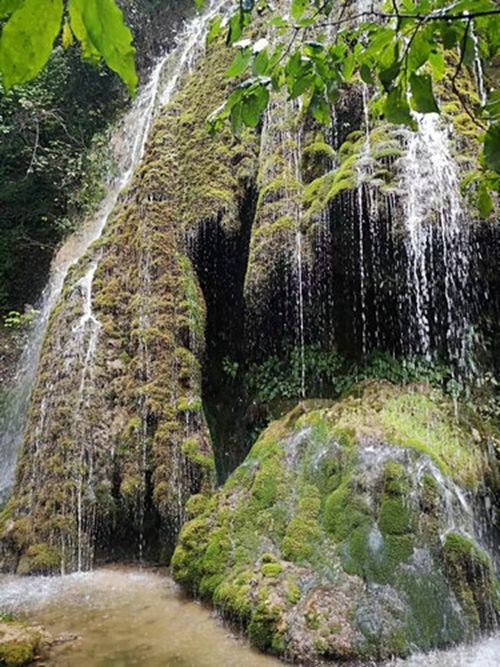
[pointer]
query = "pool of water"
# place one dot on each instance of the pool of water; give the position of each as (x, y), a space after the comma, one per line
(126, 618)
(129, 617)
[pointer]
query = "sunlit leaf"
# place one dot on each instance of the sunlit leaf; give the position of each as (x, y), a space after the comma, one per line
(484, 201)
(298, 7)
(8, 6)
(396, 109)
(422, 95)
(492, 147)
(27, 40)
(99, 26)
(240, 62)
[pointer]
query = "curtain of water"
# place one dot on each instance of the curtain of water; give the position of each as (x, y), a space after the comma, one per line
(438, 246)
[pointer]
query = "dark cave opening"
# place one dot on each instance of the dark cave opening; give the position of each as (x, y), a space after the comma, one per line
(220, 258)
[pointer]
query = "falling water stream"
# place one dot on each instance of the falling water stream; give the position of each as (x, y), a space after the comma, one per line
(437, 242)
(127, 147)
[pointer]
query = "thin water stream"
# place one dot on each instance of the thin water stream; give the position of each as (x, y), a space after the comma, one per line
(123, 617)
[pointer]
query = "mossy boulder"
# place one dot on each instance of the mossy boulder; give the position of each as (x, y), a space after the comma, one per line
(348, 531)
(19, 643)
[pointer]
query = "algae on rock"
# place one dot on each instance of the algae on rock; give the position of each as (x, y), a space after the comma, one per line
(347, 534)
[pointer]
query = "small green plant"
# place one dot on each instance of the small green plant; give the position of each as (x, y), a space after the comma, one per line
(230, 367)
(16, 320)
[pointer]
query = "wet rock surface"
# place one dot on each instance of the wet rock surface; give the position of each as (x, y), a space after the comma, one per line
(349, 532)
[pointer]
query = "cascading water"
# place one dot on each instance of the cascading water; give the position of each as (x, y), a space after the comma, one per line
(364, 170)
(438, 249)
(295, 208)
(127, 145)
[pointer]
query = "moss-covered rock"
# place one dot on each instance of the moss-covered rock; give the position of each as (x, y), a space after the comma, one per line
(20, 643)
(117, 440)
(332, 539)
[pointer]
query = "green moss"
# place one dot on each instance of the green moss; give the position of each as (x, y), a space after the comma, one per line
(271, 569)
(16, 653)
(395, 518)
(197, 504)
(433, 618)
(40, 559)
(191, 449)
(419, 422)
(292, 593)
(314, 493)
(232, 596)
(345, 511)
(473, 580)
(395, 479)
(262, 629)
(303, 533)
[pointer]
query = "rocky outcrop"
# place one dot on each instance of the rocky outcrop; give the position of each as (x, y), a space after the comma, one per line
(21, 644)
(349, 532)
(116, 440)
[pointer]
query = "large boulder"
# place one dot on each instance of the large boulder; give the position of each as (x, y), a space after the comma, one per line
(349, 530)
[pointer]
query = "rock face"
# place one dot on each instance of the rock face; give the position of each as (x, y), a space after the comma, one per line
(348, 532)
(20, 643)
(116, 439)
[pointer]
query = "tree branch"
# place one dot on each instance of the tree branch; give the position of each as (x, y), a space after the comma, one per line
(433, 16)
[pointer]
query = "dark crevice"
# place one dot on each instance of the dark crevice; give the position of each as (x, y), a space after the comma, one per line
(220, 257)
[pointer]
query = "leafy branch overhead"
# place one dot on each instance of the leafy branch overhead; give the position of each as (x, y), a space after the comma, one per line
(400, 48)
(31, 28)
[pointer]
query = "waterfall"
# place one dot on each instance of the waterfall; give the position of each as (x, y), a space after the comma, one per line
(127, 148)
(478, 70)
(437, 245)
(364, 169)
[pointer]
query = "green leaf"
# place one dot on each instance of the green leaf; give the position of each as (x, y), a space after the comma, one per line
(7, 7)
(253, 105)
(348, 67)
(450, 34)
(298, 7)
(419, 51)
(388, 75)
(301, 85)
(484, 201)
(366, 74)
(438, 65)
(237, 23)
(320, 109)
(100, 27)
(214, 29)
(260, 63)
(236, 119)
(240, 62)
(422, 95)
(199, 4)
(396, 109)
(27, 40)
(492, 147)
(493, 105)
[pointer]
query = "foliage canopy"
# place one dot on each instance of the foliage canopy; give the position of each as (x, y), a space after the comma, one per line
(32, 26)
(400, 48)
